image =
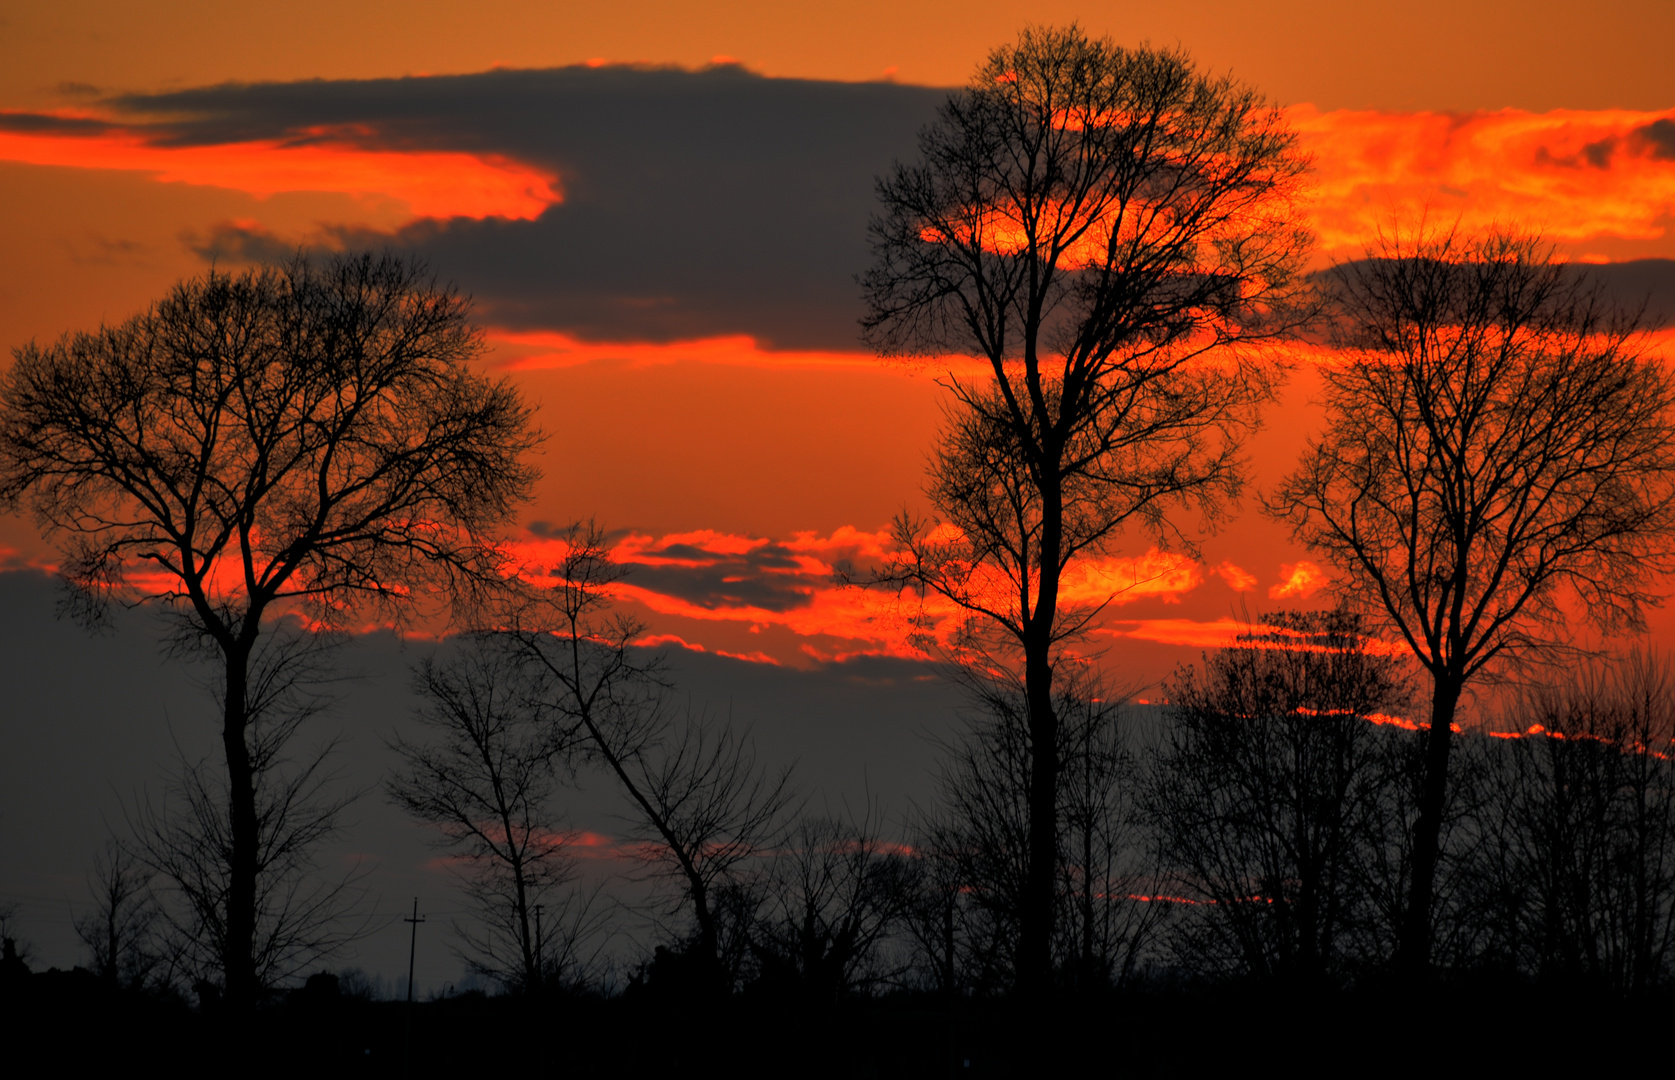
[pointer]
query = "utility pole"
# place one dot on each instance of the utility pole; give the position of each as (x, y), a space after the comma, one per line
(412, 947)
(540, 968)
(407, 1021)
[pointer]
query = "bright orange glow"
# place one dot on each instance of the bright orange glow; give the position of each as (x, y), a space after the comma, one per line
(536, 350)
(1217, 634)
(1572, 175)
(808, 602)
(1003, 233)
(796, 580)
(1535, 730)
(1237, 578)
(1093, 232)
(432, 184)
(1301, 579)
(652, 641)
(1228, 632)
(1121, 580)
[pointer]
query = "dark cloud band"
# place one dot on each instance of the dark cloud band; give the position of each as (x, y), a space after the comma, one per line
(695, 203)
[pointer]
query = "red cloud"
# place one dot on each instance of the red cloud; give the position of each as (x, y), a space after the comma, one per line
(712, 577)
(1572, 174)
(1300, 579)
(433, 184)
(530, 350)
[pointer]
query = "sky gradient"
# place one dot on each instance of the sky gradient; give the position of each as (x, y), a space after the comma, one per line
(663, 258)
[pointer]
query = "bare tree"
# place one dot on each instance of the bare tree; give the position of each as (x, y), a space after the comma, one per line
(121, 929)
(1106, 861)
(701, 807)
(310, 438)
(975, 837)
(934, 922)
(1103, 226)
(1266, 793)
(487, 778)
(833, 901)
(974, 842)
(1500, 451)
(187, 839)
(1580, 874)
(18, 951)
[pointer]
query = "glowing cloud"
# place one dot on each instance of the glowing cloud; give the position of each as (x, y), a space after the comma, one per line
(1118, 580)
(1237, 577)
(1300, 579)
(1219, 634)
(540, 349)
(432, 184)
(1572, 174)
(793, 585)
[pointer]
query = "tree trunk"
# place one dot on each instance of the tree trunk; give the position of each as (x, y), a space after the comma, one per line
(948, 947)
(238, 954)
(1035, 917)
(1414, 946)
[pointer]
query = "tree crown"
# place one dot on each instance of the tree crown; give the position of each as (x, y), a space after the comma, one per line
(312, 432)
(1094, 201)
(1498, 438)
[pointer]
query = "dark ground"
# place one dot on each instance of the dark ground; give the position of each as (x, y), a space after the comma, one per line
(70, 1021)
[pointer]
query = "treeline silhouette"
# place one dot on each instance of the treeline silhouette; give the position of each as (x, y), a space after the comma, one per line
(1248, 838)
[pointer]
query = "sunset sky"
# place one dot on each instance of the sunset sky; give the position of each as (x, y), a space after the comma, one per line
(660, 208)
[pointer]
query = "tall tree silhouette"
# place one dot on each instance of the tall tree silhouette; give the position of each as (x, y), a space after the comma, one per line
(307, 438)
(1096, 223)
(701, 806)
(486, 777)
(1265, 793)
(1499, 452)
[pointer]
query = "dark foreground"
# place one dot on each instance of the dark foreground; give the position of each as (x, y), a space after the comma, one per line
(71, 1021)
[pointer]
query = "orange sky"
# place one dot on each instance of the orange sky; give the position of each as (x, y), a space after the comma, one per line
(1382, 54)
(763, 467)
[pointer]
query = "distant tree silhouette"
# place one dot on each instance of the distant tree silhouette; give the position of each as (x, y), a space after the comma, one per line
(307, 438)
(185, 838)
(121, 929)
(1095, 222)
(973, 842)
(703, 808)
(830, 906)
(487, 778)
(18, 951)
(1266, 793)
(1577, 872)
(1106, 859)
(1499, 450)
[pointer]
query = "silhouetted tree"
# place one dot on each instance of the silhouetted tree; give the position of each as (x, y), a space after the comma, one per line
(308, 438)
(487, 778)
(121, 928)
(830, 906)
(1581, 859)
(1095, 222)
(1266, 793)
(936, 921)
(187, 839)
(974, 842)
(1499, 450)
(702, 807)
(18, 950)
(1105, 859)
